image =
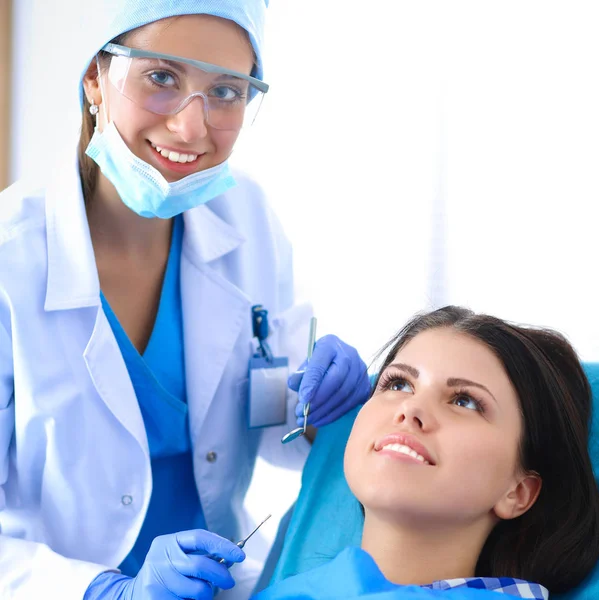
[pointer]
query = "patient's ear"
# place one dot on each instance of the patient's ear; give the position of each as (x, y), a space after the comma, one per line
(520, 497)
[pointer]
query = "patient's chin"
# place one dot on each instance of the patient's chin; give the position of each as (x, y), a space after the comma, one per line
(371, 492)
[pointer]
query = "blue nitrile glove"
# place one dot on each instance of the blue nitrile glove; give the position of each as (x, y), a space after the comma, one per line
(334, 381)
(172, 572)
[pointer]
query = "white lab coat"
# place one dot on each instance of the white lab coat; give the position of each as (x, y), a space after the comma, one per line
(75, 478)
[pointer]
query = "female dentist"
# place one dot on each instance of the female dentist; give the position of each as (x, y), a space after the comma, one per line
(128, 427)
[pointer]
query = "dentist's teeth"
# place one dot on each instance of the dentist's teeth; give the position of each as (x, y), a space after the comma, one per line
(406, 450)
(175, 156)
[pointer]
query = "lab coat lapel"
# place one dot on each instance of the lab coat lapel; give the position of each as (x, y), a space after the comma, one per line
(73, 284)
(214, 309)
(109, 374)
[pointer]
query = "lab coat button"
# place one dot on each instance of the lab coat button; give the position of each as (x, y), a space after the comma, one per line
(126, 499)
(211, 457)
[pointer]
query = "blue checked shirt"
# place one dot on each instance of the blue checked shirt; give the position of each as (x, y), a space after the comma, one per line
(506, 585)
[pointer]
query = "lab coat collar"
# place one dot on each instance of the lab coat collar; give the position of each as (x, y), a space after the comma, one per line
(73, 280)
(207, 237)
(72, 273)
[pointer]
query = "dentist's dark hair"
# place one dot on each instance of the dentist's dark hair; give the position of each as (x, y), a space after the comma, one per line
(556, 542)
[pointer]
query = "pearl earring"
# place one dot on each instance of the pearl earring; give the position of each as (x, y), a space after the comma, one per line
(94, 108)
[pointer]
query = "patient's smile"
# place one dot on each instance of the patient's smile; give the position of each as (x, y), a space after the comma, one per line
(402, 445)
(405, 450)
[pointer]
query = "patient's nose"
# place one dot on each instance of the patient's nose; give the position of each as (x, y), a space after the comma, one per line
(416, 412)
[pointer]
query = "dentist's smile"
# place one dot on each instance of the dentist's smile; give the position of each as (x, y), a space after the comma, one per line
(176, 160)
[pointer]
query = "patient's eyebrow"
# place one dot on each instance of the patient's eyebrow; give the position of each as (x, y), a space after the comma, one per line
(458, 381)
(415, 373)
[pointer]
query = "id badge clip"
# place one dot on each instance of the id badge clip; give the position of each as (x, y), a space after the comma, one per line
(267, 378)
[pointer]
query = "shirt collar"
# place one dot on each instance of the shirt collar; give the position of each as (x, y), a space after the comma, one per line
(507, 585)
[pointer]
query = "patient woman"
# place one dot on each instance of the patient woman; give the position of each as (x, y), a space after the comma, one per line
(470, 461)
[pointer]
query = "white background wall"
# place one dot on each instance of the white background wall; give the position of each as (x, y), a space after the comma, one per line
(418, 154)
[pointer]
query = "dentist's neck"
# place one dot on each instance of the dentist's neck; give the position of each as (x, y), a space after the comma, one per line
(411, 554)
(113, 224)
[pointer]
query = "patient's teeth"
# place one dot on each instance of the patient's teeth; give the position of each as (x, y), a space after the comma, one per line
(406, 450)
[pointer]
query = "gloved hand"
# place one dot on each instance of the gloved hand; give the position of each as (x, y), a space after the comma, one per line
(171, 571)
(334, 381)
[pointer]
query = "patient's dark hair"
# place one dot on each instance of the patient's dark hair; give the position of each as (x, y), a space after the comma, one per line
(556, 542)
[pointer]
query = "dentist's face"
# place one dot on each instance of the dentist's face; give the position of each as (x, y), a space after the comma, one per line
(438, 443)
(200, 37)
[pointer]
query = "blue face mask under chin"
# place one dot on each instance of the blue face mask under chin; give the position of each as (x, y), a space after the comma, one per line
(143, 189)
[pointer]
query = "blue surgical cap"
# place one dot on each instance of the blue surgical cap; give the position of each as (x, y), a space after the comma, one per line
(130, 14)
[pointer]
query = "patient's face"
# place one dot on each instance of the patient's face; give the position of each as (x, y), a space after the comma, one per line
(438, 441)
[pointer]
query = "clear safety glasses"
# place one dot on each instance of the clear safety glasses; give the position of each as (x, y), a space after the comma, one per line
(165, 85)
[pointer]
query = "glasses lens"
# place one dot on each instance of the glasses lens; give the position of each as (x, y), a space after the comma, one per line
(166, 87)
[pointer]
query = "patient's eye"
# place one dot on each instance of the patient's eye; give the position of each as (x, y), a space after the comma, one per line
(401, 385)
(466, 400)
(395, 383)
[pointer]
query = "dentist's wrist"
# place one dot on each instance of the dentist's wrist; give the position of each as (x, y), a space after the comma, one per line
(108, 586)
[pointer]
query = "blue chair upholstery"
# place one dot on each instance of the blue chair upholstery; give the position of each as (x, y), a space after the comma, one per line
(326, 517)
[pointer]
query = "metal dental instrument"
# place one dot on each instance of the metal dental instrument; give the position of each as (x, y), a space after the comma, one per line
(311, 343)
(299, 431)
(241, 543)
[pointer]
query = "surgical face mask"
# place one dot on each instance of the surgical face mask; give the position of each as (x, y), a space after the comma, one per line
(143, 189)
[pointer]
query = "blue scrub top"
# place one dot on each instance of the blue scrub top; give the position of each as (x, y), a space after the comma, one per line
(158, 378)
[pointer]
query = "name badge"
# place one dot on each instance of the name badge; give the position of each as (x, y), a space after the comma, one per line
(268, 391)
(267, 404)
